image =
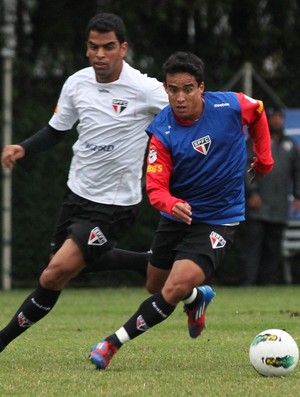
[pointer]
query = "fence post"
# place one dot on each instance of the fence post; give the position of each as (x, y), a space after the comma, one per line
(8, 53)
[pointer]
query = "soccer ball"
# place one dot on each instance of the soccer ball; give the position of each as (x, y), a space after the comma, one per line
(274, 353)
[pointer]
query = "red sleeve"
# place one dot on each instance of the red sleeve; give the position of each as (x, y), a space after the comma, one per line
(158, 174)
(254, 116)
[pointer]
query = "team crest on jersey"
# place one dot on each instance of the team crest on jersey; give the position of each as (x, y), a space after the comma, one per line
(119, 105)
(97, 237)
(217, 241)
(202, 145)
(152, 155)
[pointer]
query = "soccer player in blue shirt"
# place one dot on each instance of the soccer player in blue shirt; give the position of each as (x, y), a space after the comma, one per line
(195, 178)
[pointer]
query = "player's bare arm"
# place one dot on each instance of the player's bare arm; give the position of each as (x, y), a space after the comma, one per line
(10, 154)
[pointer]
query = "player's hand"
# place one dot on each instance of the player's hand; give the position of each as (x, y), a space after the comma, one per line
(254, 201)
(10, 154)
(295, 205)
(182, 212)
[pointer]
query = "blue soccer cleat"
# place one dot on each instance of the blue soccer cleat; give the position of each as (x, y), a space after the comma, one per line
(102, 353)
(196, 317)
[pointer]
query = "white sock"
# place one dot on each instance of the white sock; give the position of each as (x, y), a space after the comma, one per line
(191, 298)
(122, 335)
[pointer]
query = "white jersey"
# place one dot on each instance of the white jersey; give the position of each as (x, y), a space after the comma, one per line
(109, 153)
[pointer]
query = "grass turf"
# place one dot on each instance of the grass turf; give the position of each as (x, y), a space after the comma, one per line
(50, 359)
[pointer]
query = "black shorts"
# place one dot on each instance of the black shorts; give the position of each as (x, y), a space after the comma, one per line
(202, 243)
(94, 227)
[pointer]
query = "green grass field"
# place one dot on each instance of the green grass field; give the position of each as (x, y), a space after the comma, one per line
(50, 359)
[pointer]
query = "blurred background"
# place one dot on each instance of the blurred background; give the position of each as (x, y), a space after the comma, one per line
(250, 46)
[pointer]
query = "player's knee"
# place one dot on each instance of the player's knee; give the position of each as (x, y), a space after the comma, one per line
(56, 276)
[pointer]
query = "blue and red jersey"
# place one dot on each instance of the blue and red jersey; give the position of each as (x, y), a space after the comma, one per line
(203, 163)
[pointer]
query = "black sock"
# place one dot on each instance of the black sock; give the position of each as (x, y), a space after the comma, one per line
(152, 311)
(114, 340)
(36, 306)
(118, 259)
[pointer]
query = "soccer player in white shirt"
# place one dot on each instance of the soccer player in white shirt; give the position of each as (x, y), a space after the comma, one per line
(113, 103)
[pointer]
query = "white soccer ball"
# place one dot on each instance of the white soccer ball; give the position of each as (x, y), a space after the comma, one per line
(274, 352)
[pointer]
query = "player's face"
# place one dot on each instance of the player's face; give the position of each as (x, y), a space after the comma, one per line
(184, 94)
(106, 55)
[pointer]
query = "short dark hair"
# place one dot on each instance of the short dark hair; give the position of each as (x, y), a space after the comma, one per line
(184, 62)
(106, 22)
